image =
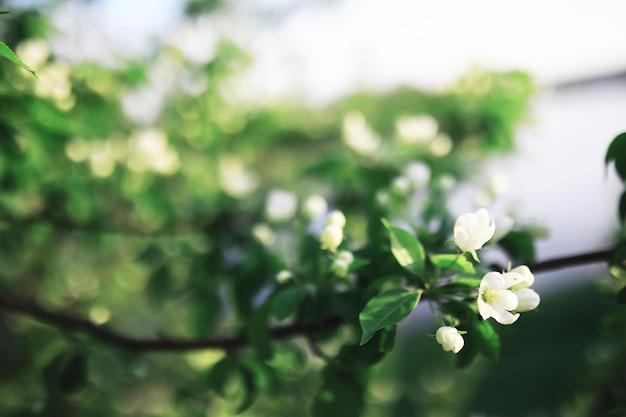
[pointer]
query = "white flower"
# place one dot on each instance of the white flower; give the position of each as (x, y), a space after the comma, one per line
(331, 237)
(342, 262)
(359, 135)
(473, 230)
(280, 205)
(418, 173)
(417, 129)
(527, 299)
(314, 206)
(496, 300)
(450, 339)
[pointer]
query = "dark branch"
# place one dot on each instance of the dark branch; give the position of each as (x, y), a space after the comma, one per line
(105, 334)
(601, 256)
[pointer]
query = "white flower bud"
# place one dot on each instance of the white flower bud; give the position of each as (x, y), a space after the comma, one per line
(473, 230)
(283, 276)
(345, 256)
(450, 339)
(336, 218)
(340, 268)
(263, 233)
(331, 237)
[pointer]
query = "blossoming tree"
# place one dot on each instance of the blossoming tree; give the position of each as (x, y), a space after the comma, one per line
(222, 254)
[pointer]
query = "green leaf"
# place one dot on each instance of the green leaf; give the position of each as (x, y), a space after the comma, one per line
(160, 285)
(258, 331)
(617, 263)
(519, 245)
(406, 249)
(250, 389)
(472, 282)
(387, 339)
(7, 53)
(4, 12)
(340, 394)
(348, 306)
(387, 309)
(488, 340)
(220, 374)
(66, 374)
(286, 302)
(453, 261)
(617, 153)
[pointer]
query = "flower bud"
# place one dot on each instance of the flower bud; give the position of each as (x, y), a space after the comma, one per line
(450, 339)
(331, 237)
(283, 276)
(340, 268)
(336, 218)
(473, 230)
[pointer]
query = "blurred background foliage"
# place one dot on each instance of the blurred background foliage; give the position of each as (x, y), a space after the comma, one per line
(136, 196)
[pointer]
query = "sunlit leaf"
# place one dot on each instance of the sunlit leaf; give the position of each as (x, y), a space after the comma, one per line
(406, 249)
(387, 309)
(7, 53)
(458, 262)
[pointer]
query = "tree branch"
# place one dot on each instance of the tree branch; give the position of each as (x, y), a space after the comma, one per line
(601, 256)
(107, 335)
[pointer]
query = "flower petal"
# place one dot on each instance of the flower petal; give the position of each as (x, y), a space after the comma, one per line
(505, 300)
(485, 310)
(527, 300)
(505, 317)
(492, 281)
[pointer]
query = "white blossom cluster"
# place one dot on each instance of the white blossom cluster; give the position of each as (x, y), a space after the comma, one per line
(501, 296)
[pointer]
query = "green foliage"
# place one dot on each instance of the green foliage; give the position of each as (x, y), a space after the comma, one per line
(156, 228)
(453, 261)
(617, 154)
(66, 374)
(7, 53)
(407, 250)
(387, 309)
(519, 245)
